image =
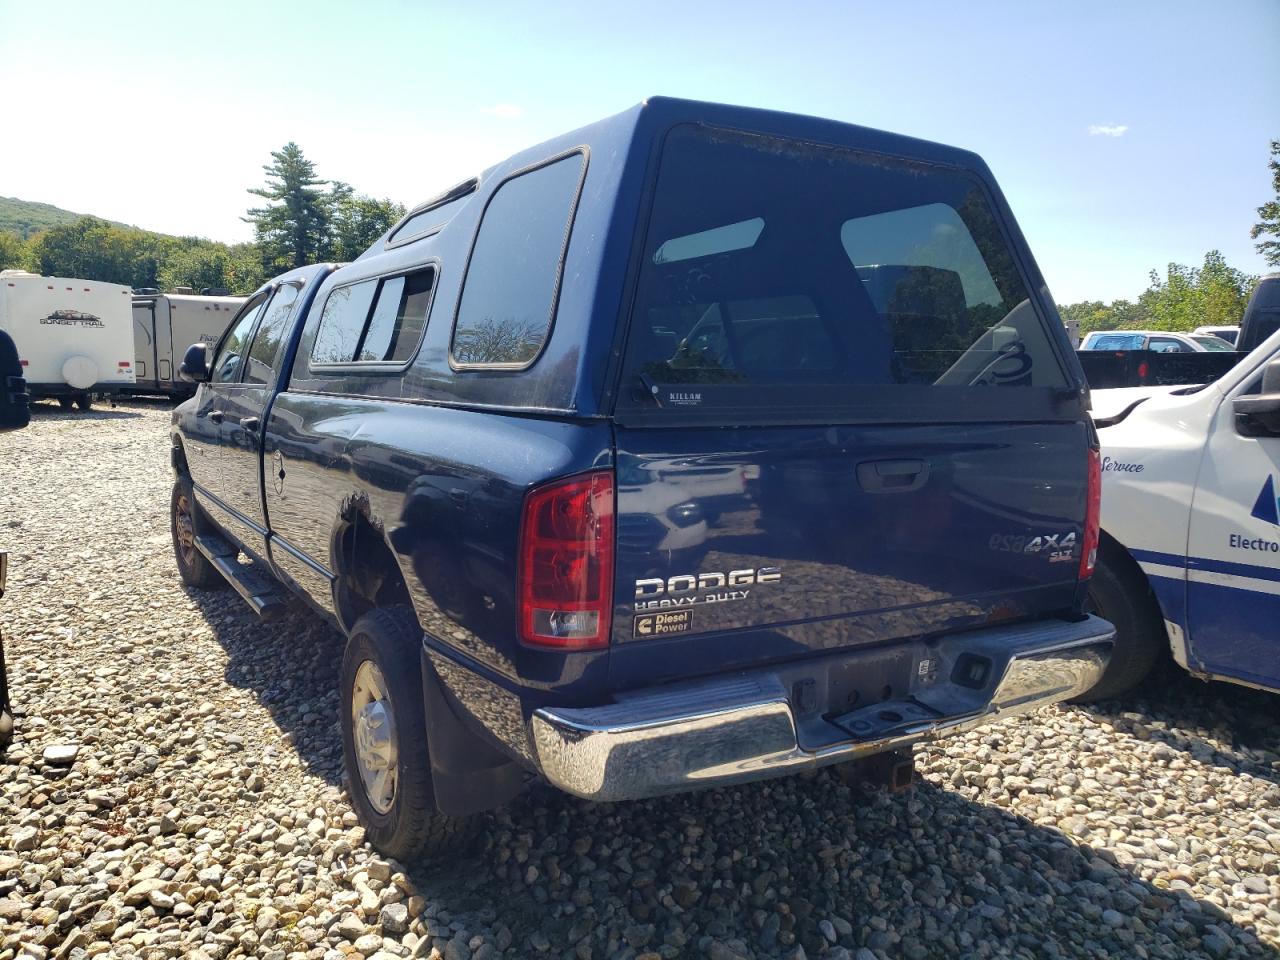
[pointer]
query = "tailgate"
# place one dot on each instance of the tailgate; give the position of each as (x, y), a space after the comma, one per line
(741, 546)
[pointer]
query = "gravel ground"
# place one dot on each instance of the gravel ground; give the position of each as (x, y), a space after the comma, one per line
(204, 813)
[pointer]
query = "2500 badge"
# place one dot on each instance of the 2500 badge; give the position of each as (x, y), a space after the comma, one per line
(711, 587)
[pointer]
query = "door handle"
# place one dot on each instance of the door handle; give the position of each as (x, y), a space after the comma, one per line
(893, 476)
(250, 423)
(216, 416)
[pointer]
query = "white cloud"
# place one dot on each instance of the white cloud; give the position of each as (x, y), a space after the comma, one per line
(1107, 129)
(504, 111)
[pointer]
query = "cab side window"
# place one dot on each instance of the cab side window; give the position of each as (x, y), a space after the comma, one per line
(226, 365)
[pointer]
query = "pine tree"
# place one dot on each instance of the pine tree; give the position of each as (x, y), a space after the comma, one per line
(292, 229)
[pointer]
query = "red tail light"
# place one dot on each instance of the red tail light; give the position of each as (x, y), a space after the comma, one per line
(1143, 370)
(1092, 516)
(566, 563)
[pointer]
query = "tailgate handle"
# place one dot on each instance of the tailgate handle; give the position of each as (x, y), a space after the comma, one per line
(893, 476)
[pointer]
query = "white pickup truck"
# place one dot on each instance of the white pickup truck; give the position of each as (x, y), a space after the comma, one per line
(1190, 551)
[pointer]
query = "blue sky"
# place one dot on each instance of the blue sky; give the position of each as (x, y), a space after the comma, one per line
(1125, 135)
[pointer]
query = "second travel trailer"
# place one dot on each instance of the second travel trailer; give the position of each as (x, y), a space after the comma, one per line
(74, 336)
(164, 325)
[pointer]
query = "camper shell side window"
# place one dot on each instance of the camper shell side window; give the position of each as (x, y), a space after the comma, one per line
(512, 282)
(374, 325)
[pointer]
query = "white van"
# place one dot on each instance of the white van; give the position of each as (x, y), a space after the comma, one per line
(74, 336)
(164, 326)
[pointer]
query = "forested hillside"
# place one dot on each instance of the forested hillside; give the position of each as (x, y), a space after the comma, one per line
(26, 217)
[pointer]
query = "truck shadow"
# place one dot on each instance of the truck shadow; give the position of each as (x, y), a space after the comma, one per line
(923, 874)
(291, 666)
(1222, 724)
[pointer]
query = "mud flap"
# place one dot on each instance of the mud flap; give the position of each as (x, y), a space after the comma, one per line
(468, 774)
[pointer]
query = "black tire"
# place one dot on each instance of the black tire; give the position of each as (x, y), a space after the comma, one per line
(1120, 593)
(193, 567)
(410, 826)
(84, 402)
(66, 403)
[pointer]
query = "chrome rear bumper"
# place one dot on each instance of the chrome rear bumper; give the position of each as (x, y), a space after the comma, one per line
(732, 730)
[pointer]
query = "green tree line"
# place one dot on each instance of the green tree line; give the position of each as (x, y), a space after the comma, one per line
(1213, 294)
(305, 220)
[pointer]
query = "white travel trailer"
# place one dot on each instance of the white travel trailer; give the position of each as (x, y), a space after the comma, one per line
(164, 326)
(74, 337)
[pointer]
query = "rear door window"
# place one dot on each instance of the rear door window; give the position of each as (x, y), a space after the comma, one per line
(1167, 345)
(778, 274)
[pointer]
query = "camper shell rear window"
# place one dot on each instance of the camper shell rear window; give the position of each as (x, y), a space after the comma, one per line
(781, 278)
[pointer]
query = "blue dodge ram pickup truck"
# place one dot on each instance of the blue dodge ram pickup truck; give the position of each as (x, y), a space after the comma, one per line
(700, 445)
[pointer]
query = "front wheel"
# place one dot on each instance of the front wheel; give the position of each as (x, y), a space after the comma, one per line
(384, 738)
(66, 403)
(84, 401)
(1119, 593)
(193, 566)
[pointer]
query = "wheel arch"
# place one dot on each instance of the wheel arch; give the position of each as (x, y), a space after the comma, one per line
(367, 574)
(178, 455)
(1169, 596)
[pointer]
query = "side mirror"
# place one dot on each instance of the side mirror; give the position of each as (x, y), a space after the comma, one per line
(1258, 415)
(15, 401)
(195, 364)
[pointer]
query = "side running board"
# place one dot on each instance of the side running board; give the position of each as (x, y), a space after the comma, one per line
(260, 592)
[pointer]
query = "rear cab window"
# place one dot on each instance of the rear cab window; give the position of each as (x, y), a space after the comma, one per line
(1116, 342)
(786, 279)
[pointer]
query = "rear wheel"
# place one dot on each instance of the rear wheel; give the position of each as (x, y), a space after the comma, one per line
(66, 403)
(193, 567)
(84, 401)
(384, 738)
(1119, 593)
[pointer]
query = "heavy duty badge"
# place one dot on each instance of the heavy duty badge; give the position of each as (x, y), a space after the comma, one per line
(710, 587)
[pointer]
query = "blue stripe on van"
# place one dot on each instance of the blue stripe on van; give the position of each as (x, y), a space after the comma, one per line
(1236, 569)
(1151, 556)
(1206, 563)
